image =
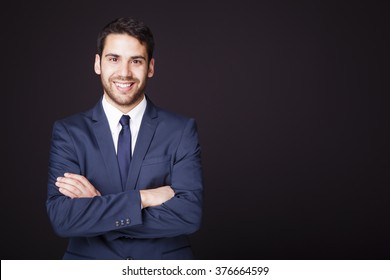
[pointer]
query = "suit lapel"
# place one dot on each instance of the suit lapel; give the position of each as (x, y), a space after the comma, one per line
(145, 136)
(103, 136)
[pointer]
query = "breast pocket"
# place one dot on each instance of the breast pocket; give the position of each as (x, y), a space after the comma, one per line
(155, 172)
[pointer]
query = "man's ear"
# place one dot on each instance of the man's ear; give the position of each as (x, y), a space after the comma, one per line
(151, 68)
(97, 64)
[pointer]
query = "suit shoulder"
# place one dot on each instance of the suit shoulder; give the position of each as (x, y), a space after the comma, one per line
(76, 119)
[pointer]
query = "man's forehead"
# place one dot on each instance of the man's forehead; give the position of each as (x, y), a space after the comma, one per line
(116, 43)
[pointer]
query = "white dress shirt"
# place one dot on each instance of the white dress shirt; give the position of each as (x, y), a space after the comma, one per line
(114, 115)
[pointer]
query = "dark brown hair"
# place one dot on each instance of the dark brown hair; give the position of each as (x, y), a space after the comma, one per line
(130, 26)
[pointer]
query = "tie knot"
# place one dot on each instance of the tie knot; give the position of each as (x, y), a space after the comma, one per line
(124, 121)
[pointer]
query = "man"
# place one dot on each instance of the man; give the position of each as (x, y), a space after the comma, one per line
(125, 178)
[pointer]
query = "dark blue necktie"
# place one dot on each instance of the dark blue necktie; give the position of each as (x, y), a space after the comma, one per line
(124, 148)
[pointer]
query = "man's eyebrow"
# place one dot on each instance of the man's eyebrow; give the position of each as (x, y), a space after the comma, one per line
(138, 57)
(112, 54)
(133, 57)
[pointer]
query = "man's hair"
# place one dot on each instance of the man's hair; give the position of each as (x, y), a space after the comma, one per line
(129, 26)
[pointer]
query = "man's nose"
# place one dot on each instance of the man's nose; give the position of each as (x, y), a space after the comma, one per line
(125, 70)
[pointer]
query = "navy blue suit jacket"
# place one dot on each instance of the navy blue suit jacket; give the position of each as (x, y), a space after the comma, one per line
(113, 226)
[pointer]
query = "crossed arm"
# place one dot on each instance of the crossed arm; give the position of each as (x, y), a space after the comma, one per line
(77, 186)
(76, 206)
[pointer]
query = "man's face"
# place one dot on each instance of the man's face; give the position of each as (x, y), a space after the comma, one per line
(124, 69)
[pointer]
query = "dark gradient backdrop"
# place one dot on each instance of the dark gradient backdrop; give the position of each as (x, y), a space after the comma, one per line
(292, 104)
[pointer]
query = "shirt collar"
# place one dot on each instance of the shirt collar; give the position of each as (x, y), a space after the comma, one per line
(113, 114)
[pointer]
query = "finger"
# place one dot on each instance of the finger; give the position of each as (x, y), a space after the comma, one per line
(78, 185)
(77, 177)
(81, 179)
(73, 182)
(69, 188)
(67, 193)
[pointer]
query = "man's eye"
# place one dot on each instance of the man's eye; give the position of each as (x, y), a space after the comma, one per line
(136, 61)
(113, 59)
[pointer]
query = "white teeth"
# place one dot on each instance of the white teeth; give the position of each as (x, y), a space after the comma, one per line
(123, 85)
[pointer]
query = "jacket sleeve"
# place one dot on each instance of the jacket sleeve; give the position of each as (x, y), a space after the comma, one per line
(84, 216)
(120, 215)
(183, 213)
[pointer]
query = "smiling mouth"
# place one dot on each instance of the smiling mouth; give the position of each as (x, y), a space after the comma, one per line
(124, 86)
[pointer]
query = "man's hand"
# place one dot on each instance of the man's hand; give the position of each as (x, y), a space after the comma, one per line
(76, 186)
(156, 197)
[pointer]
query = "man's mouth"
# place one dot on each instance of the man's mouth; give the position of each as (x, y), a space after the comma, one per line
(124, 86)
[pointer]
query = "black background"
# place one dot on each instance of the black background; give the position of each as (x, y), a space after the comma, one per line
(291, 100)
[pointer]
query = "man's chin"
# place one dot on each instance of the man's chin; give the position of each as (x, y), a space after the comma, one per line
(128, 99)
